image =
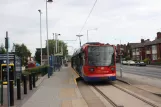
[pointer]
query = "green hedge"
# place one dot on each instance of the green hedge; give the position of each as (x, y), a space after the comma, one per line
(37, 70)
(146, 60)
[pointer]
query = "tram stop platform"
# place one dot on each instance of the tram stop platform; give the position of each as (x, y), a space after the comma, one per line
(60, 90)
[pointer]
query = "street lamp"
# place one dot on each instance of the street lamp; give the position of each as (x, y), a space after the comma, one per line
(79, 38)
(87, 33)
(40, 35)
(56, 43)
(47, 28)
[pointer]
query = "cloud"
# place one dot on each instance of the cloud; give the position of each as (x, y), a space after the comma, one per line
(128, 20)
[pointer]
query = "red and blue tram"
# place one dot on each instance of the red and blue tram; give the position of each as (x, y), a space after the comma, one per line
(95, 62)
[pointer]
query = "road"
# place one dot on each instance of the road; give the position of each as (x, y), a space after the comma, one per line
(143, 71)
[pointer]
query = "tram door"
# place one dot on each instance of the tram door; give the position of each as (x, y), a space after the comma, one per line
(4, 72)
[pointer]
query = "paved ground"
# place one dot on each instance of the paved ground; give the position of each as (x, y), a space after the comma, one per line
(18, 103)
(58, 91)
(149, 71)
(144, 82)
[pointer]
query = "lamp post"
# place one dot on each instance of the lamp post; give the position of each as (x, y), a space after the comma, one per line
(79, 38)
(40, 35)
(87, 33)
(47, 28)
(56, 43)
(120, 61)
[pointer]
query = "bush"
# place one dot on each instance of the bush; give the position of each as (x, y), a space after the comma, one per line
(146, 60)
(127, 58)
(37, 70)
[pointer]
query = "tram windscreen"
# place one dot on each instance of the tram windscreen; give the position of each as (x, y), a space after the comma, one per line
(101, 55)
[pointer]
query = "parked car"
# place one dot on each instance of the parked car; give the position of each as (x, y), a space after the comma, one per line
(130, 62)
(140, 64)
(124, 62)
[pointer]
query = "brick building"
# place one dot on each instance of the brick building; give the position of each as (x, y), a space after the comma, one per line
(147, 49)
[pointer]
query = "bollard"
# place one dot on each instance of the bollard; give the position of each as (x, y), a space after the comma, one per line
(30, 81)
(48, 71)
(1, 93)
(25, 84)
(33, 80)
(18, 89)
(11, 93)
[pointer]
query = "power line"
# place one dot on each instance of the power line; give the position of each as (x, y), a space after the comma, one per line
(88, 16)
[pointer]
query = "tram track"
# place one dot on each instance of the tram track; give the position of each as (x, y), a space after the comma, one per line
(134, 95)
(114, 104)
(107, 98)
(116, 95)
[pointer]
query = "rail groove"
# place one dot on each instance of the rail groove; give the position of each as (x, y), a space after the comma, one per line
(107, 98)
(153, 105)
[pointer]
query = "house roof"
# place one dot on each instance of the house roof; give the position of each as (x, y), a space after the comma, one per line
(140, 45)
(132, 45)
(156, 41)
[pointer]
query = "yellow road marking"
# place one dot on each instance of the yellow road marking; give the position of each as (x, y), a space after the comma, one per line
(75, 81)
(76, 75)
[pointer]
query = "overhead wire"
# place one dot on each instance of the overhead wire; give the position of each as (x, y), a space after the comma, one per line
(88, 16)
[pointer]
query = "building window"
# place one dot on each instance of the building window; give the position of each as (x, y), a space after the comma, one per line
(154, 47)
(137, 50)
(154, 57)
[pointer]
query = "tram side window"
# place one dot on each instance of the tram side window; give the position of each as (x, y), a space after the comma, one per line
(81, 59)
(78, 60)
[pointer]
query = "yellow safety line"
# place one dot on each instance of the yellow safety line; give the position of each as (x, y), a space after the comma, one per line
(76, 77)
(75, 81)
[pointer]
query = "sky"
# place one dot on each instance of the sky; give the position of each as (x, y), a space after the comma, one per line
(115, 20)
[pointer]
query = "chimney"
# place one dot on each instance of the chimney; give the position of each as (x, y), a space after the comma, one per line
(158, 35)
(142, 41)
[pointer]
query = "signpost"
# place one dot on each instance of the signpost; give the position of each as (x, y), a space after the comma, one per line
(8, 82)
(17, 64)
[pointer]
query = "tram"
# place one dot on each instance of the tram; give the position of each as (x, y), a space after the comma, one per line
(95, 61)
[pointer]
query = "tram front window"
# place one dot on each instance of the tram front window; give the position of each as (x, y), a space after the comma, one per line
(100, 55)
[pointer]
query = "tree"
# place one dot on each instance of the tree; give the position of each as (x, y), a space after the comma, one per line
(61, 47)
(38, 54)
(22, 52)
(52, 49)
(2, 49)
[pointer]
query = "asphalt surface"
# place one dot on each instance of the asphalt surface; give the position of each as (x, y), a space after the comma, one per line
(154, 72)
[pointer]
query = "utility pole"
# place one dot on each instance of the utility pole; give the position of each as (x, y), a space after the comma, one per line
(120, 61)
(8, 77)
(40, 35)
(79, 38)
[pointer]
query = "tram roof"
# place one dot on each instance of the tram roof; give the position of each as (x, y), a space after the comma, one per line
(86, 44)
